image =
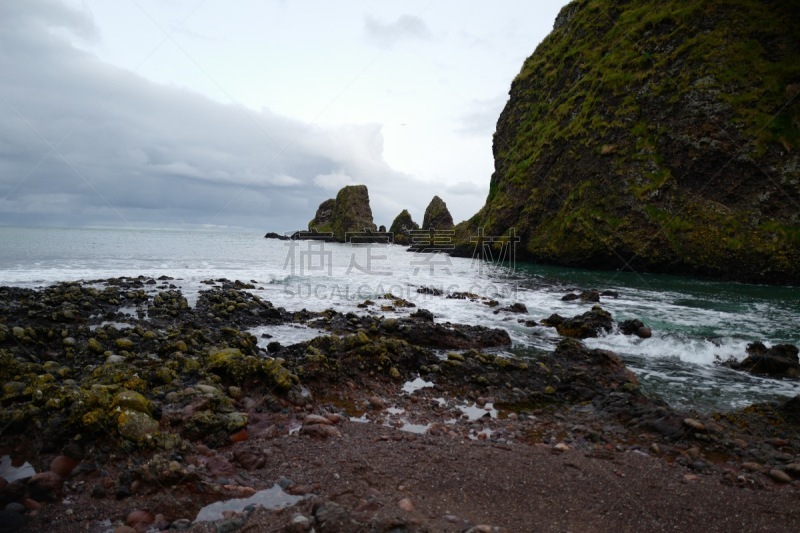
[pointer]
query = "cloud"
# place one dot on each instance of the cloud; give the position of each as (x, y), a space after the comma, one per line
(86, 143)
(481, 118)
(467, 188)
(406, 27)
(333, 181)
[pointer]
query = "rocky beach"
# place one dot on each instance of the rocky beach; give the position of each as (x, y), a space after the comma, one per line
(127, 409)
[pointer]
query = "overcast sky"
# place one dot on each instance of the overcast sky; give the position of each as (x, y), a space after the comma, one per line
(249, 113)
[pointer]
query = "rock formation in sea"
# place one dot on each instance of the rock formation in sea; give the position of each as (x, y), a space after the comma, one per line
(348, 213)
(437, 216)
(323, 220)
(657, 136)
(402, 227)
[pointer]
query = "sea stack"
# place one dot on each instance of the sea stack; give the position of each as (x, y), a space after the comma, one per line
(437, 217)
(348, 213)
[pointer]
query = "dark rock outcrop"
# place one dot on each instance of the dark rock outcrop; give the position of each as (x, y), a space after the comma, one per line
(437, 216)
(273, 235)
(589, 324)
(402, 227)
(780, 361)
(349, 213)
(635, 327)
(658, 136)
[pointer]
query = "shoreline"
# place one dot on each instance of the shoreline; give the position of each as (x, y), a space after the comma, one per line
(183, 407)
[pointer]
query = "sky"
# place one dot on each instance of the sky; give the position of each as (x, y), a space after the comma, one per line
(247, 114)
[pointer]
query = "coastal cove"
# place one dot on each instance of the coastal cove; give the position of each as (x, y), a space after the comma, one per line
(695, 323)
(200, 381)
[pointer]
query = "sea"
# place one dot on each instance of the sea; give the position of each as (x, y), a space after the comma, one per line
(696, 323)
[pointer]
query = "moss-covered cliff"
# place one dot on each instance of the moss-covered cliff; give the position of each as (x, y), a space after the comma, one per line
(656, 135)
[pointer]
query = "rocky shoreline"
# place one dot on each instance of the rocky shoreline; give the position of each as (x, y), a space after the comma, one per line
(136, 410)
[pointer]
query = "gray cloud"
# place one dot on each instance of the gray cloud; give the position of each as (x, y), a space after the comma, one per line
(406, 27)
(86, 143)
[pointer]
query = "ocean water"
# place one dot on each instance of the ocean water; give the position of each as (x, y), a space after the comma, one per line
(695, 322)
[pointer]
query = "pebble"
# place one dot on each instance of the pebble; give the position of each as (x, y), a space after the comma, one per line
(694, 424)
(299, 524)
(316, 419)
(181, 524)
(779, 476)
(63, 465)
(655, 449)
(124, 529)
(793, 469)
(320, 431)
(376, 403)
(752, 467)
(139, 519)
(561, 447)
(406, 505)
(239, 436)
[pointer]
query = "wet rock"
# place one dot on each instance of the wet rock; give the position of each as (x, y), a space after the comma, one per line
(45, 486)
(570, 297)
(635, 327)
(273, 235)
(515, 308)
(590, 296)
(584, 326)
(433, 291)
(780, 361)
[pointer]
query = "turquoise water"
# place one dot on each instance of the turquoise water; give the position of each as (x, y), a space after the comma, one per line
(695, 322)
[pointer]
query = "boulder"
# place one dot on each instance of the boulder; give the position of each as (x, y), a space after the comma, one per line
(780, 361)
(589, 324)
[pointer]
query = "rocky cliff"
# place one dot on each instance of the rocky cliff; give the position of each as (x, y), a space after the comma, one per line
(348, 213)
(659, 136)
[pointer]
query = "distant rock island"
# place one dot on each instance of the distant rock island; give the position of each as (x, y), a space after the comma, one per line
(656, 136)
